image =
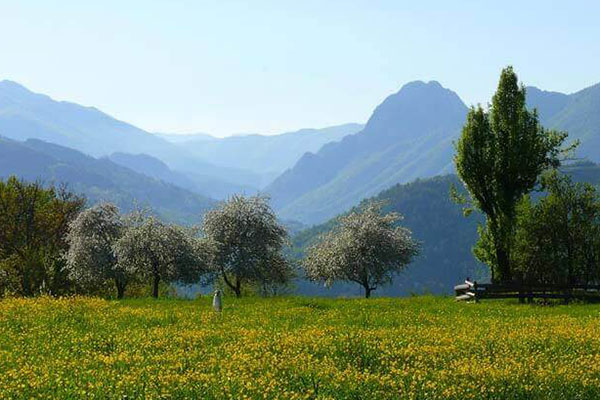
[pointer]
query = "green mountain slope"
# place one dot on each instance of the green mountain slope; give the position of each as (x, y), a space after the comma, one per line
(577, 113)
(548, 104)
(99, 179)
(408, 136)
(445, 234)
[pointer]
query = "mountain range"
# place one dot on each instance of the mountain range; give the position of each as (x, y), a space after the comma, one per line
(312, 175)
(411, 135)
(28, 115)
(266, 155)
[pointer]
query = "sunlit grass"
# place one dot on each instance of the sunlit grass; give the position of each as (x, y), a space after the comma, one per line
(418, 348)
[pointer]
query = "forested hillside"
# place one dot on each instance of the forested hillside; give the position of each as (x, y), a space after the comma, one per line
(446, 235)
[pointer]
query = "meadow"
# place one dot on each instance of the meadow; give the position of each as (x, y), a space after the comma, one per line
(297, 348)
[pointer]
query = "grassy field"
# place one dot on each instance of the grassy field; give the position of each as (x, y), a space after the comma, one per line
(415, 348)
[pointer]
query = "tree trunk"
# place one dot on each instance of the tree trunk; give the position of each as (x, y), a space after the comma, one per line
(26, 286)
(238, 288)
(155, 286)
(120, 288)
(368, 292)
(502, 257)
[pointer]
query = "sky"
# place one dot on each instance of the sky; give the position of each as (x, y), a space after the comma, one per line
(230, 67)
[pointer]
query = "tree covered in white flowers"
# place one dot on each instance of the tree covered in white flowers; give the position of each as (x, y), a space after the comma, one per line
(365, 247)
(161, 252)
(248, 242)
(91, 258)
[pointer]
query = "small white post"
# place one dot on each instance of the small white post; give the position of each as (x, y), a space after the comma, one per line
(217, 301)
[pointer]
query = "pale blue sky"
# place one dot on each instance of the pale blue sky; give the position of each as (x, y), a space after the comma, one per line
(271, 66)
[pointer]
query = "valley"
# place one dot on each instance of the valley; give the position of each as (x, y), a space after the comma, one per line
(403, 155)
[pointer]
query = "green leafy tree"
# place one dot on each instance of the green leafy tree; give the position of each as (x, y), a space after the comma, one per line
(248, 240)
(164, 253)
(33, 222)
(500, 155)
(557, 239)
(365, 247)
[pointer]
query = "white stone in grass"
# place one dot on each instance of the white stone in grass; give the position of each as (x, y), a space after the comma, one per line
(217, 301)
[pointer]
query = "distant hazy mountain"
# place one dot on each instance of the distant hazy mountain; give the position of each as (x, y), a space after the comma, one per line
(408, 136)
(547, 103)
(185, 137)
(265, 154)
(577, 113)
(196, 182)
(99, 179)
(220, 167)
(25, 115)
(152, 167)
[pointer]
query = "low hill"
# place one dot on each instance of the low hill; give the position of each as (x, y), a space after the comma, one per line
(99, 179)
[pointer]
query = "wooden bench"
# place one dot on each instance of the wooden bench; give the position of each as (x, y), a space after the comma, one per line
(471, 290)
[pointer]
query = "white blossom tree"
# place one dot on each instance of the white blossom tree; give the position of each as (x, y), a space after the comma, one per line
(248, 243)
(365, 247)
(91, 258)
(163, 253)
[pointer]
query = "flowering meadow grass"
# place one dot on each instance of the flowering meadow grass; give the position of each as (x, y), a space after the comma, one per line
(292, 348)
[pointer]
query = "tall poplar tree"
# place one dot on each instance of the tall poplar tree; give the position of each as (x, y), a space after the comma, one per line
(500, 155)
